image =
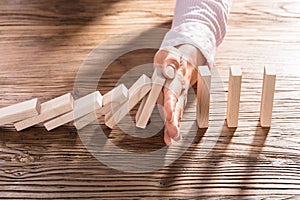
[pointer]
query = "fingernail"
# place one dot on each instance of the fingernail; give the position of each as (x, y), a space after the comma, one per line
(170, 72)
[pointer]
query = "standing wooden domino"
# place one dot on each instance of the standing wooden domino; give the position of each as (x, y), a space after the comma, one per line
(136, 92)
(20, 111)
(49, 110)
(267, 97)
(203, 96)
(234, 93)
(82, 107)
(147, 107)
(111, 100)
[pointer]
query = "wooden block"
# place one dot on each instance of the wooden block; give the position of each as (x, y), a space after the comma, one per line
(117, 95)
(85, 120)
(49, 110)
(82, 107)
(136, 92)
(203, 96)
(158, 81)
(234, 93)
(20, 111)
(109, 115)
(114, 98)
(141, 106)
(267, 97)
(111, 100)
(91, 117)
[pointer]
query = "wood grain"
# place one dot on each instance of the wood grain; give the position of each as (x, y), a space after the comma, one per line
(42, 45)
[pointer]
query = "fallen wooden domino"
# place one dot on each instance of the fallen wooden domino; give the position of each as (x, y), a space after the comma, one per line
(234, 93)
(82, 107)
(203, 96)
(49, 110)
(136, 92)
(20, 111)
(267, 97)
(111, 101)
(145, 110)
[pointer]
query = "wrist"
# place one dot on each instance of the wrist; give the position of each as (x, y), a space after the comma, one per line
(192, 54)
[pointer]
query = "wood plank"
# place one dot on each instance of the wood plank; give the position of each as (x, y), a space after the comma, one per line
(203, 96)
(49, 110)
(82, 107)
(136, 92)
(158, 81)
(20, 111)
(111, 101)
(267, 98)
(234, 94)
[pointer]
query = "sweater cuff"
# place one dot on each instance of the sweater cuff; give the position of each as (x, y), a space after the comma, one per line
(195, 34)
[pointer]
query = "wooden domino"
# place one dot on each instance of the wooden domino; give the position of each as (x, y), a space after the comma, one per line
(111, 101)
(114, 98)
(158, 81)
(109, 115)
(20, 111)
(136, 92)
(82, 107)
(203, 96)
(267, 98)
(234, 93)
(141, 106)
(49, 110)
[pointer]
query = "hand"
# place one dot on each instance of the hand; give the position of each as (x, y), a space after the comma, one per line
(179, 67)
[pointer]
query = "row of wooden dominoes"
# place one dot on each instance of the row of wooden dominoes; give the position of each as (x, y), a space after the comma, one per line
(233, 99)
(65, 109)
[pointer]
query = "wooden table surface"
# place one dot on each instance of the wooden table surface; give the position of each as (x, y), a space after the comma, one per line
(42, 45)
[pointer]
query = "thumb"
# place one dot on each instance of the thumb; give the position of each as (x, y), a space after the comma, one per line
(170, 59)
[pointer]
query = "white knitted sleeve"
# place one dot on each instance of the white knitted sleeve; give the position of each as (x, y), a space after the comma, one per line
(201, 23)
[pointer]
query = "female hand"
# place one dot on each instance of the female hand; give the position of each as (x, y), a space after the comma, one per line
(179, 67)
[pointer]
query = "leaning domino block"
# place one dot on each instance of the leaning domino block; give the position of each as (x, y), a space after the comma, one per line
(203, 96)
(267, 98)
(114, 98)
(234, 93)
(49, 110)
(108, 117)
(158, 81)
(82, 106)
(141, 106)
(111, 101)
(20, 111)
(136, 92)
